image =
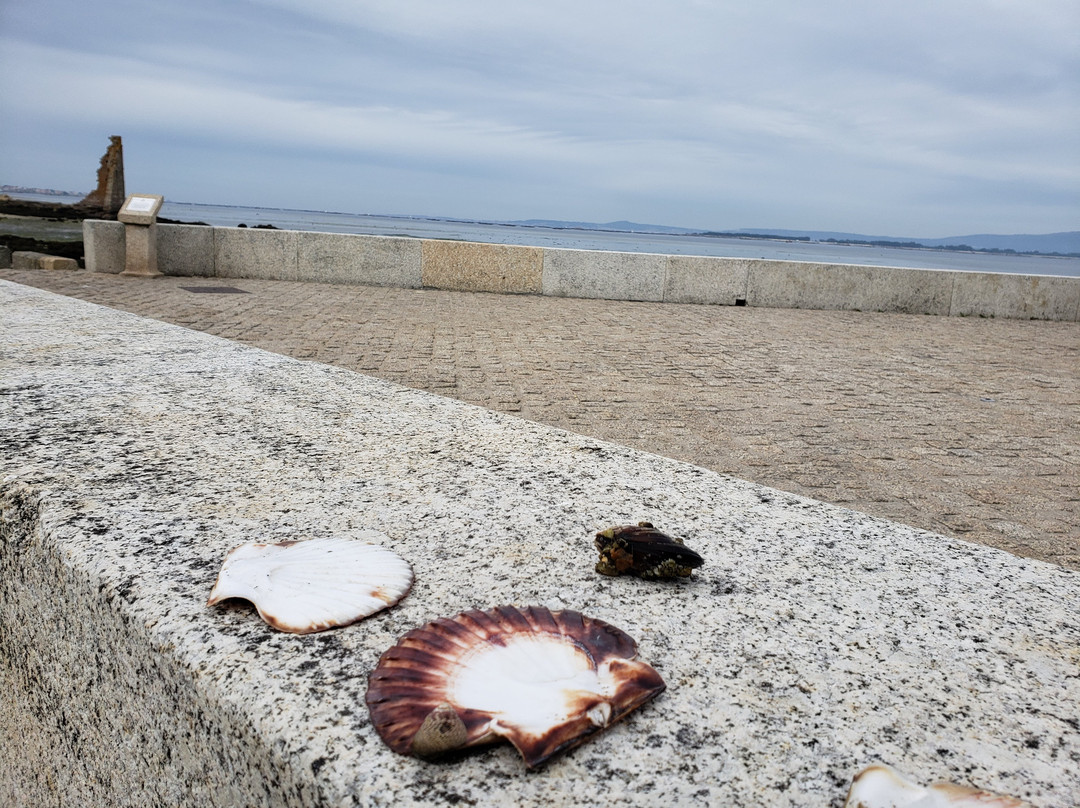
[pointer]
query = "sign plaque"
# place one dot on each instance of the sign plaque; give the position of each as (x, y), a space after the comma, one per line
(140, 209)
(139, 215)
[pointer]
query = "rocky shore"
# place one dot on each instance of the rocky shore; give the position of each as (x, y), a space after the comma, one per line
(47, 227)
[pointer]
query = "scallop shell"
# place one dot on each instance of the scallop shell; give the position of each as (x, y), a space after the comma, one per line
(881, 786)
(313, 585)
(543, 680)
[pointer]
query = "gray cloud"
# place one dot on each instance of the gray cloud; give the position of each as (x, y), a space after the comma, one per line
(909, 118)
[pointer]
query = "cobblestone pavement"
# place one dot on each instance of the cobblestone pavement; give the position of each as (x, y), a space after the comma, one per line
(963, 426)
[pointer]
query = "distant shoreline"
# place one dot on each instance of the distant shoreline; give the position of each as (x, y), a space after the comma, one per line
(993, 244)
(22, 189)
(614, 236)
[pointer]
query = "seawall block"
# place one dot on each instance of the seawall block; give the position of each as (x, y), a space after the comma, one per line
(249, 253)
(471, 267)
(795, 285)
(1026, 297)
(369, 260)
(185, 250)
(606, 275)
(104, 245)
(701, 279)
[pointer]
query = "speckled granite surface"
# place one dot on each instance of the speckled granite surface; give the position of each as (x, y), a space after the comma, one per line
(134, 455)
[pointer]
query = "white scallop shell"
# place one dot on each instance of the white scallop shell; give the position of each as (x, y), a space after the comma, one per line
(313, 585)
(543, 680)
(883, 787)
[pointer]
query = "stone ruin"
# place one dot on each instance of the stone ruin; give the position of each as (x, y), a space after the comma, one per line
(109, 195)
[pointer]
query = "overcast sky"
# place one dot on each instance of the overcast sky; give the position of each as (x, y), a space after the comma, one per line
(914, 118)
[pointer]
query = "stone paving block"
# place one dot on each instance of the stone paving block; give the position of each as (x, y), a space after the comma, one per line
(697, 279)
(472, 267)
(104, 246)
(607, 275)
(368, 260)
(185, 250)
(243, 252)
(1036, 297)
(796, 285)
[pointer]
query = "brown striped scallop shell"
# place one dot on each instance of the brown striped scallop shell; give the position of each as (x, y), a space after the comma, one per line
(543, 680)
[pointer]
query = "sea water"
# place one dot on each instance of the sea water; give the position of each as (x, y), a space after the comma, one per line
(616, 241)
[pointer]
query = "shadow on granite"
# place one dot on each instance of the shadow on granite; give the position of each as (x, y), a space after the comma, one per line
(814, 641)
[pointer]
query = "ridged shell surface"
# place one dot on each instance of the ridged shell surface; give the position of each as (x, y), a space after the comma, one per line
(543, 680)
(307, 586)
(883, 787)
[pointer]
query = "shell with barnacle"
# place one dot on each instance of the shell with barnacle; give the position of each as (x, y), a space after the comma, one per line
(644, 551)
(543, 680)
(307, 586)
(882, 786)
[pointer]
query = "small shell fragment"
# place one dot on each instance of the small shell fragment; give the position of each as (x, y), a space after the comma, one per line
(881, 786)
(543, 680)
(307, 586)
(644, 551)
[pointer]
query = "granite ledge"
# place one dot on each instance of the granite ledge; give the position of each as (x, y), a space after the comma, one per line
(815, 641)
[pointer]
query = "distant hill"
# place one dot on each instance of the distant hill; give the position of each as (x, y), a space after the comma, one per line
(1063, 243)
(1067, 243)
(617, 227)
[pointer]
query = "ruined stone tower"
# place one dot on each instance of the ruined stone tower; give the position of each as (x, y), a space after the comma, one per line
(109, 195)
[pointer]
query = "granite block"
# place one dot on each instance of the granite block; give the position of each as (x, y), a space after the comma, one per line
(798, 285)
(26, 259)
(368, 260)
(5, 256)
(814, 641)
(241, 252)
(1027, 297)
(57, 262)
(607, 275)
(185, 250)
(471, 267)
(696, 279)
(104, 246)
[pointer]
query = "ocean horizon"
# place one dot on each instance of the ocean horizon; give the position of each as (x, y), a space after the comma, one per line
(579, 238)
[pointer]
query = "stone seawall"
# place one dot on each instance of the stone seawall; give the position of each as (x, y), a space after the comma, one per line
(814, 641)
(469, 266)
